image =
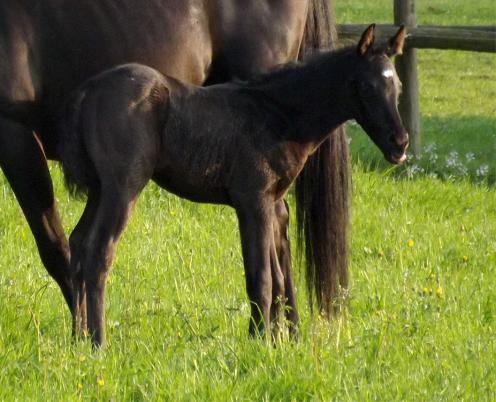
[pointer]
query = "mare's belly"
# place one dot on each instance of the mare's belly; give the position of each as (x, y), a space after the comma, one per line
(83, 39)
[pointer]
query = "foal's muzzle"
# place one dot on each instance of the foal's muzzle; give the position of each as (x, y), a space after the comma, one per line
(398, 145)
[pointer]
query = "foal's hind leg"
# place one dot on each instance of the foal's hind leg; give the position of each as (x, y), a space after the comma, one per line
(282, 243)
(97, 254)
(79, 322)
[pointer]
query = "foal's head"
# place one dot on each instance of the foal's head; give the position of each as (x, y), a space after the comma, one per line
(375, 88)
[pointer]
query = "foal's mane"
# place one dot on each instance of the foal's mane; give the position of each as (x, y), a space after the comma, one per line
(332, 59)
(293, 70)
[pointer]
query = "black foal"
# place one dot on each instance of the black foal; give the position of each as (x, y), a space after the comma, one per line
(240, 144)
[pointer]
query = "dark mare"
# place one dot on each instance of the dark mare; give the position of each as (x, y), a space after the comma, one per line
(241, 144)
(49, 47)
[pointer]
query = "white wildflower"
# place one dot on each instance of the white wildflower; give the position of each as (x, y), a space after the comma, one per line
(469, 156)
(452, 159)
(482, 170)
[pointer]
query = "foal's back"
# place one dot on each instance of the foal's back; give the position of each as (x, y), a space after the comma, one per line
(131, 124)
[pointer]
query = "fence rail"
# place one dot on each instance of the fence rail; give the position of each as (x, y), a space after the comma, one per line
(477, 39)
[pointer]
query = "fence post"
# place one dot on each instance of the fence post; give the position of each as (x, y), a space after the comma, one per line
(406, 66)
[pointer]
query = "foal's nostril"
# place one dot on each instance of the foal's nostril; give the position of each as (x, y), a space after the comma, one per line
(401, 141)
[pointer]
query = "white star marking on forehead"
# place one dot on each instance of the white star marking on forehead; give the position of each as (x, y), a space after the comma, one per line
(388, 73)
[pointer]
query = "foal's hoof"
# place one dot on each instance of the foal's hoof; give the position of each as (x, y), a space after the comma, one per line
(257, 331)
(294, 332)
(98, 342)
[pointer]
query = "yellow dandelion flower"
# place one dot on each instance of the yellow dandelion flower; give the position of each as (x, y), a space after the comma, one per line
(439, 292)
(411, 243)
(425, 290)
(100, 381)
(80, 386)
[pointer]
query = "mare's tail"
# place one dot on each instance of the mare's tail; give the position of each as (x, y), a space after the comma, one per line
(322, 190)
(79, 172)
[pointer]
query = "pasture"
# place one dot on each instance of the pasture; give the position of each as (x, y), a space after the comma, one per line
(420, 324)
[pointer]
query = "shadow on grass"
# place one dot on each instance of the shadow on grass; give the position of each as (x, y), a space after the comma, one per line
(453, 148)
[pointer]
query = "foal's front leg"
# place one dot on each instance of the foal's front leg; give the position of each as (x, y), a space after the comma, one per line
(278, 292)
(283, 250)
(255, 224)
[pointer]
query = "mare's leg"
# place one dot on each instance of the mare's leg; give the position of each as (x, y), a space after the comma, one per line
(97, 253)
(255, 224)
(281, 235)
(24, 164)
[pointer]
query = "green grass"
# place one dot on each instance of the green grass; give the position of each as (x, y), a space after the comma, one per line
(438, 12)
(422, 314)
(420, 324)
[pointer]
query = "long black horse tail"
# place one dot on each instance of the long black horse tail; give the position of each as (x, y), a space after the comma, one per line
(79, 173)
(322, 190)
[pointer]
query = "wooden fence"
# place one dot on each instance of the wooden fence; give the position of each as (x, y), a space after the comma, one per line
(472, 38)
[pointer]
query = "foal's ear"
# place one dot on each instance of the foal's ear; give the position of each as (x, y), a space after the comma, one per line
(367, 40)
(395, 44)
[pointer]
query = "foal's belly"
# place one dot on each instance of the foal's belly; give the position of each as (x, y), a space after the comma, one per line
(197, 149)
(197, 191)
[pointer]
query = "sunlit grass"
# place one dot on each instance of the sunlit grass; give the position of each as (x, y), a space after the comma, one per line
(420, 323)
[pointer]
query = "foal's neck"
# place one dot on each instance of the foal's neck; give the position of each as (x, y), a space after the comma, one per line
(312, 97)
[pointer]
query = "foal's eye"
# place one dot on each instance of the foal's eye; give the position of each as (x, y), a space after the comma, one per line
(366, 87)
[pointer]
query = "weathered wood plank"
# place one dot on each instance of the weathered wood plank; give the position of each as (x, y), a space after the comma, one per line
(477, 39)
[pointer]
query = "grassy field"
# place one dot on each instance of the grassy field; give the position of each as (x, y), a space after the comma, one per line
(421, 322)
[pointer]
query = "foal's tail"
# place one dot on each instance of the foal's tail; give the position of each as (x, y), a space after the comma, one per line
(322, 190)
(79, 173)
